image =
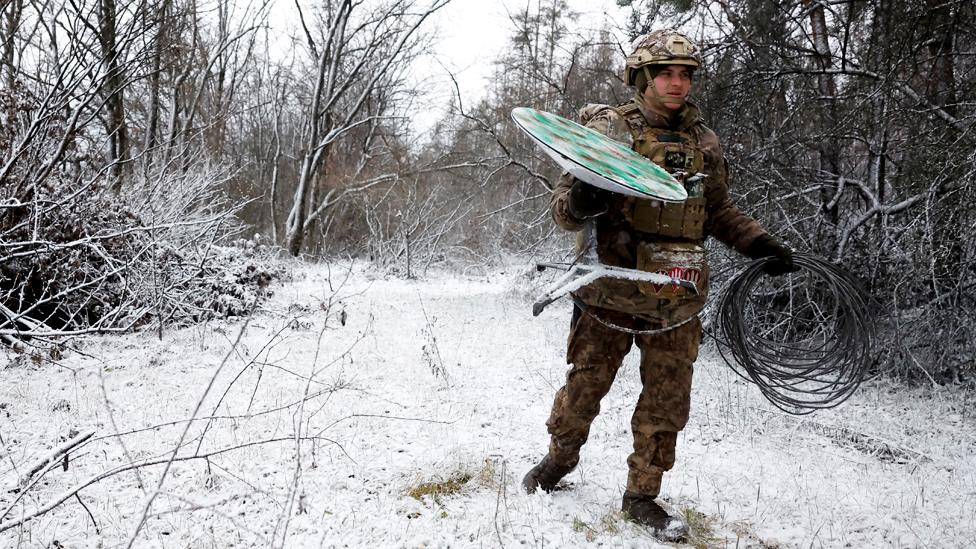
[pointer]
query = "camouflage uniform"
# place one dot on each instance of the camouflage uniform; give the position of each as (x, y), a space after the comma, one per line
(667, 357)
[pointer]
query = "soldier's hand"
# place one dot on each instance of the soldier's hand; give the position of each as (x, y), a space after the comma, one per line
(587, 201)
(781, 258)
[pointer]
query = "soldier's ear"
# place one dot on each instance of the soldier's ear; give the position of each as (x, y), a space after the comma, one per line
(640, 81)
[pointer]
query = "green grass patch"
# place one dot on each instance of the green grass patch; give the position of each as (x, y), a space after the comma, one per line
(581, 526)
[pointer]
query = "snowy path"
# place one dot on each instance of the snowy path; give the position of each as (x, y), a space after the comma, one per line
(440, 379)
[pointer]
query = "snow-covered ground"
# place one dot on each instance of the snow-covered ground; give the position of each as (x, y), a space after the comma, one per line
(347, 392)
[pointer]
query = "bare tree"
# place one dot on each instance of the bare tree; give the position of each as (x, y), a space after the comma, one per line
(354, 49)
(553, 62)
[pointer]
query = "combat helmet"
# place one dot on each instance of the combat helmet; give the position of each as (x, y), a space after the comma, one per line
(661, 47)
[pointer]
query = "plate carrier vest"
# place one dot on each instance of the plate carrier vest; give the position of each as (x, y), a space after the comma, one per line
(681, 224)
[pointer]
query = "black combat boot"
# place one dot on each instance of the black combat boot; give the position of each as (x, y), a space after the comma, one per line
(545, 475)
(644, 510)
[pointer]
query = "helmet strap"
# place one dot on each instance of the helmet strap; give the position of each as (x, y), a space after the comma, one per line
(656, 100)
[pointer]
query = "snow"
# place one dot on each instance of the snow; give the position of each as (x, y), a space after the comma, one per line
(429, 379)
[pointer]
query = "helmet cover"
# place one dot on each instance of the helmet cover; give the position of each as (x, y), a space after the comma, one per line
(661, 47)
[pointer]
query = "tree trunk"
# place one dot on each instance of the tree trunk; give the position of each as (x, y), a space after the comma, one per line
(295, 230)
(940, 86)
(152, 124)
(940, 90)
(9, 24)
(114, 80)
(829, 147)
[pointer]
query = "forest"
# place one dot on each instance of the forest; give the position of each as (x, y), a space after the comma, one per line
(155, 156)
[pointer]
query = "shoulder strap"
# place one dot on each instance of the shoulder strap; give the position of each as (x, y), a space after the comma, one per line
(631, 114)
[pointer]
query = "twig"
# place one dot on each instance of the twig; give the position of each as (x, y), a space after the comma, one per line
(55, 455)
(498, 500)
(285, 519)
(211, 507)
(249, 362)
(162, 478)
(69, 493)
(90, 515)
(115, 428)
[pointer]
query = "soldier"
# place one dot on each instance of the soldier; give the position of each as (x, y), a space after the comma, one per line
(613, 314)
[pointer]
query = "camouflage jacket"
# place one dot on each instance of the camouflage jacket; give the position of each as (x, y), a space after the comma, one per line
(617, 238)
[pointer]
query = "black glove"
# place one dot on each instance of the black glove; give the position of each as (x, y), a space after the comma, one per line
(781, 257)
(587, 201)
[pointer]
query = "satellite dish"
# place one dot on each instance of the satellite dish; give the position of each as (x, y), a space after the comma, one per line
(594, 158)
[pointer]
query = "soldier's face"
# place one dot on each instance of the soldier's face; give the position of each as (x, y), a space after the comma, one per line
(673, 84)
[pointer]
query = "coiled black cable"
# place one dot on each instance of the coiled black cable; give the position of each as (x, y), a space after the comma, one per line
(803, 339)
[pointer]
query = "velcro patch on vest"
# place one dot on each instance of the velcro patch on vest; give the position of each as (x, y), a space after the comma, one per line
(680, 260)
(691, 274)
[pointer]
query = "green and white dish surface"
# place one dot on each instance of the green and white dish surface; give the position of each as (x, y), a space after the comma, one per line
(596, 159)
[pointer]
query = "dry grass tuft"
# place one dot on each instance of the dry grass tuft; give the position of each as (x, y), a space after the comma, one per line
(608, 524)
(437, 488)
(701, 534)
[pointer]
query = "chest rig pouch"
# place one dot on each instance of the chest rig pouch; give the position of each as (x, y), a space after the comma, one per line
(678, 153)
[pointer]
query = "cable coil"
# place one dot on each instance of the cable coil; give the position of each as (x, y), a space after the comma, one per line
(804, 339)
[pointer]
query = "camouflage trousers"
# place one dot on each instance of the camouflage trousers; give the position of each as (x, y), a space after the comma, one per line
(596, 352)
